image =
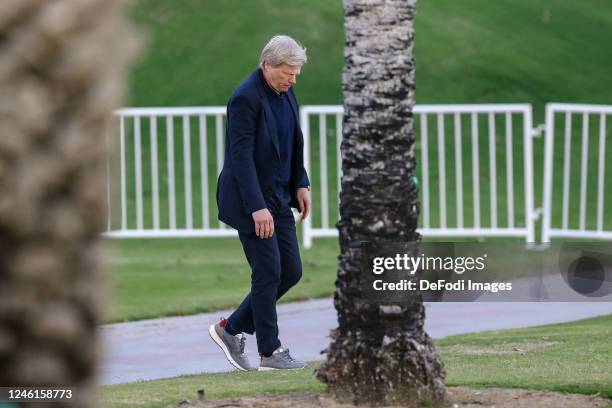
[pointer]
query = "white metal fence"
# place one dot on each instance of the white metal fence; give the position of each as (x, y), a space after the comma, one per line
(159, 145)
(577, 180)
(466, 128)
(475, 163)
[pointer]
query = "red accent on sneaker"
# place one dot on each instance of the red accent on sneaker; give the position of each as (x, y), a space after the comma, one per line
(223, 323)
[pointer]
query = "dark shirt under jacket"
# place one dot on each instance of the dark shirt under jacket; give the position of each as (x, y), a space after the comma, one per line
(285, 126)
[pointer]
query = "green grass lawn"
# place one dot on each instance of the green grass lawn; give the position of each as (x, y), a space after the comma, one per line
(571, 357)
(168, 277)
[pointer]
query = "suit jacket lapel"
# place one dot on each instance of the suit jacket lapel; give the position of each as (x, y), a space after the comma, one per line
(269, 116)
(271, 123)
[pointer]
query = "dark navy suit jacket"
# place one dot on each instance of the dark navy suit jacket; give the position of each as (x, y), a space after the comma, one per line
(252, 157)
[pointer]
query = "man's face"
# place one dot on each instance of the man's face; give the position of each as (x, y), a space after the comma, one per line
(281, 77)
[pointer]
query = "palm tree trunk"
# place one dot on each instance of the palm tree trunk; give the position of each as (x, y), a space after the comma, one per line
(379, 354)
(62, 66)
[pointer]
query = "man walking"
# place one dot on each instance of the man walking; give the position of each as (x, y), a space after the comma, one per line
(263, 176)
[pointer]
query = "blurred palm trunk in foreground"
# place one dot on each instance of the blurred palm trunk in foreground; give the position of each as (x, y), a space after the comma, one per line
(62, 69)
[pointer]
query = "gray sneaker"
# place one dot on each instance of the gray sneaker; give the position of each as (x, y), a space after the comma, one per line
(280, 360)
(232, 346)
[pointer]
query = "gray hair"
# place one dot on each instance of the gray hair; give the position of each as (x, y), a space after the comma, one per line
(282, 49)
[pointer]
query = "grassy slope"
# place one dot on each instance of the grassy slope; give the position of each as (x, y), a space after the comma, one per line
(200, 50)
(467, 52)
(571, 357)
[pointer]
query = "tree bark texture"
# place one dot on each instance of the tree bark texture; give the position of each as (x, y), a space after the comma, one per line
(62, 65)
(380, 353)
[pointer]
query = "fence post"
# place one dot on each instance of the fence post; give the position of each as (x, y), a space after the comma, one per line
(307, 224)
(548, 163)
(528, 159)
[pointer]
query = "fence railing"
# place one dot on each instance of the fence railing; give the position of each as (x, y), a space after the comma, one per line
(475, 163)
(461, 133)
(575, 172)
(168, 169)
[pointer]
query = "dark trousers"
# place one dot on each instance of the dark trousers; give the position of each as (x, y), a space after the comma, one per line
(275, 267)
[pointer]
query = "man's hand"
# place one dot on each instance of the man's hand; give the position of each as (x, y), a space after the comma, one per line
(305, 201)
(264, 223)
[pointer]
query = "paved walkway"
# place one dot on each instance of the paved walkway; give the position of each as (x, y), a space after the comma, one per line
(169, 347)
